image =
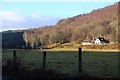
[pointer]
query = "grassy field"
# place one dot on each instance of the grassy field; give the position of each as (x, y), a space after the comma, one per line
(100, 64)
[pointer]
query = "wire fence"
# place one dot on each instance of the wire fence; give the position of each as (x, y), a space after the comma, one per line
(102, 64)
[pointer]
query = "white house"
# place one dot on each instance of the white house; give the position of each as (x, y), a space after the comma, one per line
(100, 40)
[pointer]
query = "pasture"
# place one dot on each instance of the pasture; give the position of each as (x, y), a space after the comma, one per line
(99, 64)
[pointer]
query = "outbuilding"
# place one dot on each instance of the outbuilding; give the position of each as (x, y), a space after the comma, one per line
(100, 40)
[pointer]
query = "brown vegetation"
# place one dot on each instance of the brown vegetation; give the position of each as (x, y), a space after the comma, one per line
(115, 46)
(98, 23)
(102, 22)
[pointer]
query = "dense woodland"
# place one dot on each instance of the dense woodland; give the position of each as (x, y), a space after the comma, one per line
(11, 39)
(98, 23)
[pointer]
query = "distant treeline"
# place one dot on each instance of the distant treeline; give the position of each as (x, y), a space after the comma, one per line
(11, 39)
(99, 23)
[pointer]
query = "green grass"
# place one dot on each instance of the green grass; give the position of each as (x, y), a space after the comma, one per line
(101, 64)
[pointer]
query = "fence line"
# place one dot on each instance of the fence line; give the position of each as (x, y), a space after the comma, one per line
(80, 60)
(14, 57)
(44, 60)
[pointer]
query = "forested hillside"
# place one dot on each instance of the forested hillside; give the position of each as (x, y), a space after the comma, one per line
(98, 23)
(12, 39)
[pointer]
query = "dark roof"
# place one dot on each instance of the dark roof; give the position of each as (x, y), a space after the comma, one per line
(101, 39)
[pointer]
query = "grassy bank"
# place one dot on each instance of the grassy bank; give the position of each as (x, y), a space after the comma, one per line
(92, 47)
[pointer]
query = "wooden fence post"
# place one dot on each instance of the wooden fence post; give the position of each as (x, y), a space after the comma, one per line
(80, 60)
(14, 57)
(44, 61)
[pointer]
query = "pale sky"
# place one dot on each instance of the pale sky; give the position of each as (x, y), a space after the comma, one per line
(24, 15)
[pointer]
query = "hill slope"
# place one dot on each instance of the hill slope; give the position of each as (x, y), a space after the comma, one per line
(102, 22)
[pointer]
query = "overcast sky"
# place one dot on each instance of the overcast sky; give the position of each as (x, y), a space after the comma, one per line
(20, 15)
